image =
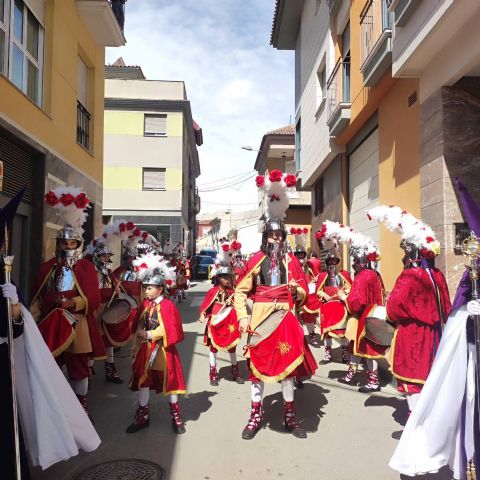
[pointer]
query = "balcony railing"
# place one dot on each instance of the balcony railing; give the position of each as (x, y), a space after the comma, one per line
(375, 20)
(118, 7)
(338, 87)
(83, 126)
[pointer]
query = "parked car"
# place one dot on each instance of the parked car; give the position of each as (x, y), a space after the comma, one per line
(210, 252)
(201, 266)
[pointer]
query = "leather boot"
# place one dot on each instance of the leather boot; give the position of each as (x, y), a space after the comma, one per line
(314, 342)
(236, 374)
(255, 422)
(177, 422)
(291, 423)
(142, 420)
(373, 384)
(350, 375)
(327, 357)
(345, 355)
(213, 376)
(111, 374)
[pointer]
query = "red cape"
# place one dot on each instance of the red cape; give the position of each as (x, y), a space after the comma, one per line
(173, 381)
(209, 299)
(414, 306)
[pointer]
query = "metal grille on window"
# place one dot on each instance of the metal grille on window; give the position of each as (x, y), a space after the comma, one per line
(155, 125)
(154, 178)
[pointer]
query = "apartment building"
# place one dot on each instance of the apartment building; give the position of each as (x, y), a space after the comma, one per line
(51, 112)
(151, 158)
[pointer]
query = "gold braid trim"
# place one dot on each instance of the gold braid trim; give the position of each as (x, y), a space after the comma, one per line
(362, 336)
(64, 347)
(223, 349)
(278, 378)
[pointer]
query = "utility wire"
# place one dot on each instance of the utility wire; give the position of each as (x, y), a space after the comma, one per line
(238, 182)
(219, 180)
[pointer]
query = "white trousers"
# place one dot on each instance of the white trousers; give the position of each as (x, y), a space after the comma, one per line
(286, 385)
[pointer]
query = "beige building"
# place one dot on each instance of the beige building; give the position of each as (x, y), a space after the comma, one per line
(151, 157)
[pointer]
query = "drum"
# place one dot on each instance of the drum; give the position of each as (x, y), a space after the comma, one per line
(224, 330)
(58, 330)
(334, 316)
(378, 329)
(117, 318)
(276, 348)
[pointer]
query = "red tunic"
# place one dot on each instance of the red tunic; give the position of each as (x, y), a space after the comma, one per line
(419, 310)
(367, 291)
(267, 362)
(224, 336)
(335, 314)
(86, 286)
(165, 374)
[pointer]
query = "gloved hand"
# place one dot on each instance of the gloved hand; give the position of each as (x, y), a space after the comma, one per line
(9, 290)
(473, 307)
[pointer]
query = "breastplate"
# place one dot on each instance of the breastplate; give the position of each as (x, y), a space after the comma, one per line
(104, 280)
(152, 322)
(64, 280)
(129, 276)
(272, 275)
(335, 281)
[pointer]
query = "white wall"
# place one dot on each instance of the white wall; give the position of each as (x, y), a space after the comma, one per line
(316, 49)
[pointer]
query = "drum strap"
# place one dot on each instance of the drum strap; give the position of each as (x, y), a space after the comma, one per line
(440, 311)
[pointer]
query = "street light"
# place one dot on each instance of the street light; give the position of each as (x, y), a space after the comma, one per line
(249, 148)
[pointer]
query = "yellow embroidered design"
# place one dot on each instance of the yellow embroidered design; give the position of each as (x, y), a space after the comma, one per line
(284, 347)
(231, 327)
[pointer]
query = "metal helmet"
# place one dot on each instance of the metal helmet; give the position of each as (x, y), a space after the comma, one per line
(154, 278)
(271, 225)
(332, 259)
(360, 261)
(223, 270)
(413, 256)
(102, 249)
(68, 233)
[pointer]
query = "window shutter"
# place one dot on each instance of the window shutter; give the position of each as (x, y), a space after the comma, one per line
(82, 82)
(155, 125)
(37, 7)
(154, 179)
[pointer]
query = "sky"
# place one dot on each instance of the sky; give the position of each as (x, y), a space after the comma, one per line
(239, 86)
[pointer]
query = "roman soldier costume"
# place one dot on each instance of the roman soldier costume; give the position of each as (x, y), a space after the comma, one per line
(221, 329)
(419, 303)
(332, 283)
(365, 294)
(276, 283)
(238, 264)
(156, 364)
(66, 294)
(310, 310)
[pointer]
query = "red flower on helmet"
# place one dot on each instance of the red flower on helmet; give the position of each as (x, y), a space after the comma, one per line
(290, 180)
(319, 234)
(122, 227)
(372, 257)
(81, 201)
(130, 226)
(104, 235)
(225, 247)
(260, 181)
(145, 235)
(369, 216)
(169, 282)
(51, 199)
(66, 199)
(305, 230)
(137, 232)
(430, 239)
(404, 212)
(293, 230)
(275, 175)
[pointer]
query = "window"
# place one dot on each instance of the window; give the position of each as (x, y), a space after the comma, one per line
(346, 63)
(3, 37)
(155, 126)
(298, 146)
(154, 178)
(82, 82)
(23, 40)
(321, 84)
(318, 200)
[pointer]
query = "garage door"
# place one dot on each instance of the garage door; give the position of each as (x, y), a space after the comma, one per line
(363, 186)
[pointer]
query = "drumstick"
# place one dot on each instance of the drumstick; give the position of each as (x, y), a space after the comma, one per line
(114, 292)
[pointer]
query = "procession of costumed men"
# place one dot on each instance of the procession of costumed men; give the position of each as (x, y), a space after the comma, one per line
(82, 310)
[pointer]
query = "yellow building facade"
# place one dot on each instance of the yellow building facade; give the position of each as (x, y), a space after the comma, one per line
(51, 110)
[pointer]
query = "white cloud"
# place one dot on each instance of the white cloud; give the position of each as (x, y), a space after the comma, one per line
(238, 85)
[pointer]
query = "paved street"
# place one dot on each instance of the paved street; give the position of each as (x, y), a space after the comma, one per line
(349, 433)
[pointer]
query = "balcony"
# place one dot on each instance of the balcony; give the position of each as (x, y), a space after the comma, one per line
(104, 19)
(376, 41)
(83, 126)
(338, 98)
(402, 10)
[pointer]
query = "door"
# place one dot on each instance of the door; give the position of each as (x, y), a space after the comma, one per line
(363, 186)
